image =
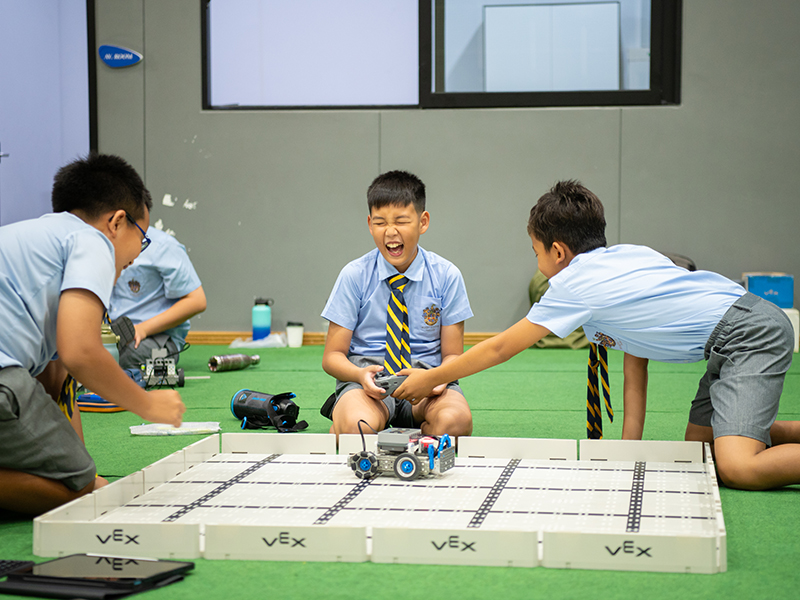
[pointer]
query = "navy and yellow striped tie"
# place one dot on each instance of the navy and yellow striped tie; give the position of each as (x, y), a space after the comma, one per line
(398, 351)
(598, 361)
(66, 398)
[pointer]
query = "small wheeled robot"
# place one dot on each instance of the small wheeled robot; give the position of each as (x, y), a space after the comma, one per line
(405, 453)
(160, 370)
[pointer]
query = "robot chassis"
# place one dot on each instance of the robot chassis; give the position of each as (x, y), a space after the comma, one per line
(405, 453)
(160, 370)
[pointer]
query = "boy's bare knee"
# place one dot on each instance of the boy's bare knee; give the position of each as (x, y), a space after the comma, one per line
(460, 424)
(737, 462)
(33, 495)
(352, 426)
(355, 421)
(737, 475)
(355, 408)
(451, 421)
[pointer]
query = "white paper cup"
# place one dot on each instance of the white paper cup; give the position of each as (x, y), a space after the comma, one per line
(294, 334)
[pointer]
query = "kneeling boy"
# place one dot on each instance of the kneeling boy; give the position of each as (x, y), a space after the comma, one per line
(56, 277)
(633, 299)
(159, 293)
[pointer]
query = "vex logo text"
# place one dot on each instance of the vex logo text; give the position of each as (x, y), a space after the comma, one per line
(118, 535)
(627, 547)
(285, 539)
(454, 543)
(117, 564)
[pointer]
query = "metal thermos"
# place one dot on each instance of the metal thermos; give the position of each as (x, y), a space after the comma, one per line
(232, 362)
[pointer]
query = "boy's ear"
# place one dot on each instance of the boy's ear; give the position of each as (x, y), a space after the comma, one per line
(115, 221)
(563, 253)
(424, 221)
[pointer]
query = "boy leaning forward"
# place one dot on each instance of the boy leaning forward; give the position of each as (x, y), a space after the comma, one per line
(633, 299)
(56, 276)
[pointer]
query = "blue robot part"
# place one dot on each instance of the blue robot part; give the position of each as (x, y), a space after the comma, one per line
(364, 464)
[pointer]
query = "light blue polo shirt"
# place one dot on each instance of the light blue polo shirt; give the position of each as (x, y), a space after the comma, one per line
(39, 259)
(632, 298)
(157, 279)
(435, 295)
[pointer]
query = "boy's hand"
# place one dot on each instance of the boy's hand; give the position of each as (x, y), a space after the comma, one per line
(418, 386)
(438, 390)
(80, 348)
(367, 381)
(140, 334)
(166, 406)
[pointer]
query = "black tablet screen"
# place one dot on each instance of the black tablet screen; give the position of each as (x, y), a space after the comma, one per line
(87, 566)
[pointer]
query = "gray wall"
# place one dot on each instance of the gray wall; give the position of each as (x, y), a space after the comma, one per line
(280, 196)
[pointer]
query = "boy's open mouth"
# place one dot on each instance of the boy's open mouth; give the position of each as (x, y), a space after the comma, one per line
(395, 248)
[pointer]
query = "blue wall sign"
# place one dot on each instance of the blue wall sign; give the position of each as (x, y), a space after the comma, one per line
(115, 56)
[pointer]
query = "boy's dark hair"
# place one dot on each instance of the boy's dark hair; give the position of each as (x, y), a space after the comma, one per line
(398, 188)
(571, 214)
(100, 183)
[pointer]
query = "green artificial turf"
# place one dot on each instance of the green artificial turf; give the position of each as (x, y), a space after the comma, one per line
(539, 393)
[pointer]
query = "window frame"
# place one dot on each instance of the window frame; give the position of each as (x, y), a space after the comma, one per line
(665, 72)
(665, 61)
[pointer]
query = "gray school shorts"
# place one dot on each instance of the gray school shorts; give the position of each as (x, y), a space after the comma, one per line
(748, 355)
(400, 411)
(36, 437)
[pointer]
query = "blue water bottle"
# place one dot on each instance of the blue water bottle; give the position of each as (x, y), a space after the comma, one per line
(262, 318)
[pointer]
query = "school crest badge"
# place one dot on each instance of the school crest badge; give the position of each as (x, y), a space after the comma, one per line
(134, 286)
(431, 315)
(604, 340)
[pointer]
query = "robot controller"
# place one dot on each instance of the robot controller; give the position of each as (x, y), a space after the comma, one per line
(390, 383)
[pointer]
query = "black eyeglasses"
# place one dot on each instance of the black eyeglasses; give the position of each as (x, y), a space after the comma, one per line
(145, 239)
